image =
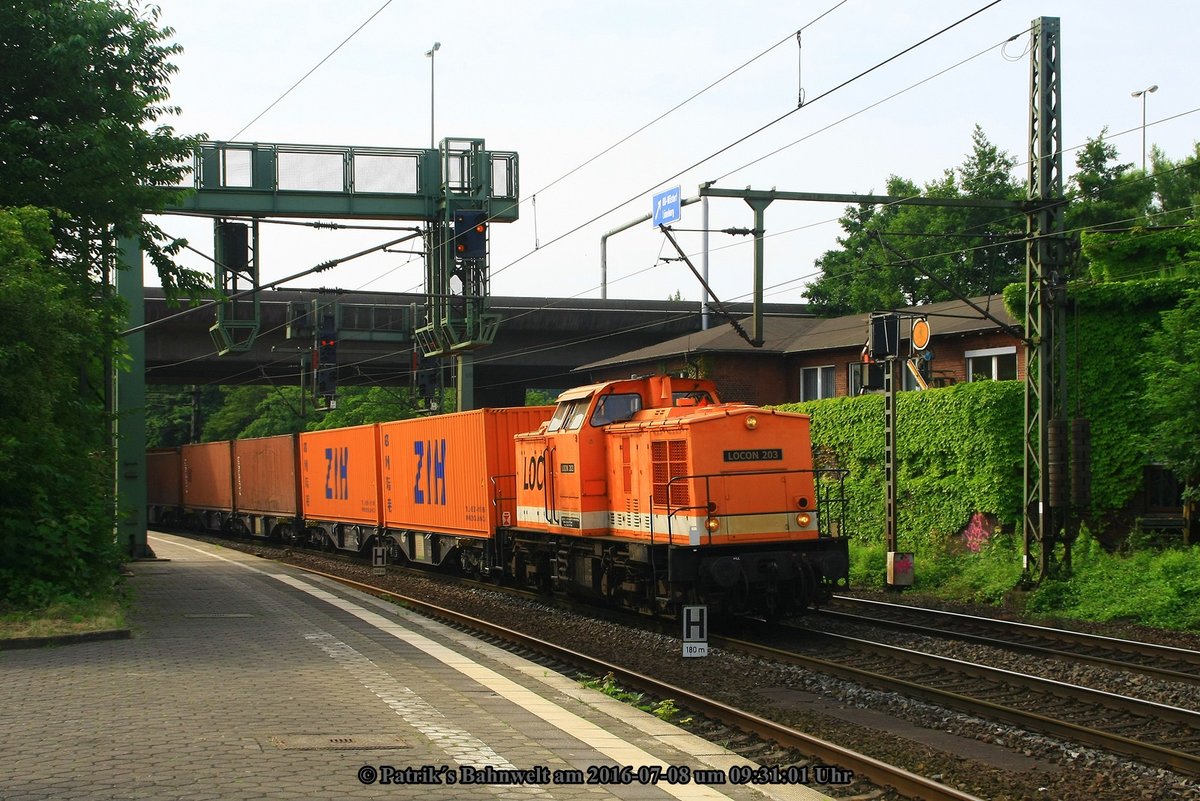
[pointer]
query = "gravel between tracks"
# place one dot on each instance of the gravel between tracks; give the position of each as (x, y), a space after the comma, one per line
(1050, 769)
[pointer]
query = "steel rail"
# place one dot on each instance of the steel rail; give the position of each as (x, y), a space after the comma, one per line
(1132, 647)
(1116, 743)
(1166, 674)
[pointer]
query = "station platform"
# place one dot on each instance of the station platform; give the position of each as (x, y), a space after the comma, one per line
(250, 679)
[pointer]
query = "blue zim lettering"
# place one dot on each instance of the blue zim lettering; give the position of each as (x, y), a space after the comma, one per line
(439, 470)
(337, 469)
(431, 463)
(419, 451)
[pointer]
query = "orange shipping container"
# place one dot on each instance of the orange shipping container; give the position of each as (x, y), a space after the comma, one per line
(163, 477)
(264, 475)
(207, 476)
(444, 473)
(339, 475)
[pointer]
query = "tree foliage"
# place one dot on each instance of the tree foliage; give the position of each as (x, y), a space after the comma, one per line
(900, 255)
(1172, 396)
(83, 87)
(55, 469)
(1105, 194)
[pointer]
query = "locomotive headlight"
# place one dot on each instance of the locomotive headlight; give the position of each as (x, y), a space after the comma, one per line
(803, 519)
(751, 422)
(712, 524)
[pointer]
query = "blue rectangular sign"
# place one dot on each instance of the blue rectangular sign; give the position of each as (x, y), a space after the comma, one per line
(667, 207)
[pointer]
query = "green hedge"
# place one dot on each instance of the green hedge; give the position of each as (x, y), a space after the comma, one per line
(959, 451)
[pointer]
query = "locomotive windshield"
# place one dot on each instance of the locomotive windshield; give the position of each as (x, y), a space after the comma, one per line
(616, 408)
(569, 415)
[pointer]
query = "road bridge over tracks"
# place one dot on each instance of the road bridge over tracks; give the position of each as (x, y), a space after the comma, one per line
(539, 342)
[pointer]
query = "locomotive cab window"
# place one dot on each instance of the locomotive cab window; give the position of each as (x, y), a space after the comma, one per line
(616, 408)
(569, 415)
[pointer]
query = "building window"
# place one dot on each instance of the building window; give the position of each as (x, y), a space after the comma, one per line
(816, 383)
(992, 364)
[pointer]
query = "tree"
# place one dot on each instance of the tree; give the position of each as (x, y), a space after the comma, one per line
(1176, 187)
(83, 86)
(55, 471)
(361, 405)
(1127, 222)
(1105, 194)
(254, 411)
(889, 253)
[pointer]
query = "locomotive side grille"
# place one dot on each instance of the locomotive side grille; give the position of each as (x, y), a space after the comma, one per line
(669, 460)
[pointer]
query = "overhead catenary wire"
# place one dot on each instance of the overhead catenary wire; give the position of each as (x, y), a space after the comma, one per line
(316, 67)
(757, 131)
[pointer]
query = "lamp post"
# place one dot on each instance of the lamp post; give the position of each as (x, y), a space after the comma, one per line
(429, 54)
(1142, 94)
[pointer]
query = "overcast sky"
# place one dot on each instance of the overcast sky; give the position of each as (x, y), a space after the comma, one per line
(559, 82)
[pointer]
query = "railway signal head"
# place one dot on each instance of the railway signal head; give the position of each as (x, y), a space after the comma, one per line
(327, 364)
(470, 234)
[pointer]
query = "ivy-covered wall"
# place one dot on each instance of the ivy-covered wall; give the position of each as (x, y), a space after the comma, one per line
(1108, 326)
(959, 451)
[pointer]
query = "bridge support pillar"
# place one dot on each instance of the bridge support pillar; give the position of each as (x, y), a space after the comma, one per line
(129, 402)
(465, 385)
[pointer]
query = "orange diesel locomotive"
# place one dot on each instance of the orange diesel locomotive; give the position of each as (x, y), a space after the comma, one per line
(646, 493)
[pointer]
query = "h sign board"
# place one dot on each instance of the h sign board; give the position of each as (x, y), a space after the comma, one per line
(667, 207)
(695, 631)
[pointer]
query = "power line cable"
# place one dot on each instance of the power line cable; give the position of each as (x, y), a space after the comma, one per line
(311, 71)
(755, 132)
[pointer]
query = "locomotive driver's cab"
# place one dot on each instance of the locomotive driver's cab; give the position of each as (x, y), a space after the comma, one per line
(563, 469)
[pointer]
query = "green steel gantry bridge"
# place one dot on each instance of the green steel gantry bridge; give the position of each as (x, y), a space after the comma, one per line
(455, 191)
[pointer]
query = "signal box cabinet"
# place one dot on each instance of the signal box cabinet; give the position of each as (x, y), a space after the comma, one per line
(455, 473)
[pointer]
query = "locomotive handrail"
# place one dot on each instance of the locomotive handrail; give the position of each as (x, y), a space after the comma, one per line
(548, 486)
(496, 496)
(818, 473)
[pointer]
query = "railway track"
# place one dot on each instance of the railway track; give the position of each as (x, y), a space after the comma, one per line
(1159, 661)
(1147, 731)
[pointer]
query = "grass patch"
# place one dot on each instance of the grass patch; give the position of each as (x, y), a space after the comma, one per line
(663, 710)
(71, 616)
(1149, 587)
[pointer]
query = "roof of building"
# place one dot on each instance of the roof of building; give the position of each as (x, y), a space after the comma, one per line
(792, 335)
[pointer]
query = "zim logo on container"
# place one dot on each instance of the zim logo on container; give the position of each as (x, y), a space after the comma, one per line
(431, 472)
(337, 479)
(755, 455)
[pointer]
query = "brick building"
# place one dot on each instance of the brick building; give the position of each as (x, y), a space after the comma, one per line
(806, 358)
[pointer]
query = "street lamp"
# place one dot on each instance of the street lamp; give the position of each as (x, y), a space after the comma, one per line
(429, 54)
(1142, 94)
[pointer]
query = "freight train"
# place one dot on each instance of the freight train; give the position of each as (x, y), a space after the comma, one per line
(647, 494)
